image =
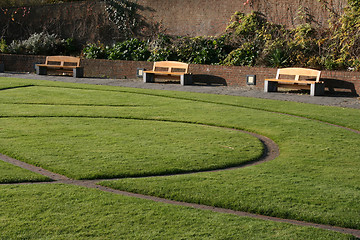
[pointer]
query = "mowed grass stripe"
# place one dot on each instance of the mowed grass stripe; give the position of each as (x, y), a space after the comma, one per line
(13, 174)
(349, 117)
(69, 212)
(82, 148)
(323, 113)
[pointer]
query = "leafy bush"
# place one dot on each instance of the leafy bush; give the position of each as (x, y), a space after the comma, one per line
(192, 50)
(244, 56)
(3, 46)
(163, 54)
(133, 49)
(201, 50)
(96, 51)
(247, 26)
(277, 54)
(278, 58)
(40, 43)
(162, 49)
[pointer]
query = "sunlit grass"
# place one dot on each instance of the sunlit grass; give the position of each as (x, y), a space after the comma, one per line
(88, 148)
(70, 212)
(315, 178)
(12, 174)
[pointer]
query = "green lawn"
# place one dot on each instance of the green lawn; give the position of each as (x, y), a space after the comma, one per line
(89, 148)
(68, 212)
(12, 174)
(87, 131)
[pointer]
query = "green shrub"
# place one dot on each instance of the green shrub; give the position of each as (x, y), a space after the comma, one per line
(95, 51)
(332, 63)
(247, 26)
(278, 57)
(244, 56)
(201, 50)
(38, 43)
(133, 49)
(277, 54)
(3, 46)
(163, 54)
(162, 49)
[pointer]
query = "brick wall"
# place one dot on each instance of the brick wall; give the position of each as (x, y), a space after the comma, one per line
(210, 17)
(233, 76)
(21, 63)
(88, 21)
(84, 21)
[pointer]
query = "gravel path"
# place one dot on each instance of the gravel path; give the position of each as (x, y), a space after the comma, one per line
(338, 99)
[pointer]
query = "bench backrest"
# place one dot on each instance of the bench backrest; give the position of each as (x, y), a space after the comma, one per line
(63, 61)
(297, 72)
(171, 66)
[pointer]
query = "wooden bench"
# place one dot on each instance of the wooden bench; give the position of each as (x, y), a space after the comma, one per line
(315, 86)
(169, 69)
(61, 64)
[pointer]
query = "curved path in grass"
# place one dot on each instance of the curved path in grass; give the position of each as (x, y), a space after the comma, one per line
(271, 151)
(92, 184)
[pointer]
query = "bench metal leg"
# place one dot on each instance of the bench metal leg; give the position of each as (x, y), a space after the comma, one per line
(148, 77)
(2, 68)
(270, 86)
(78, 72)
(186, 79)
(317, 89)
(41, 70)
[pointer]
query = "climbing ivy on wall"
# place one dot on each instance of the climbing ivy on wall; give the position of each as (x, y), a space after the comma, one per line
(123, 14)
(346, 37)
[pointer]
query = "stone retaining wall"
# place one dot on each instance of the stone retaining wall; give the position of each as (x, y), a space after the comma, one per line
(234, 76)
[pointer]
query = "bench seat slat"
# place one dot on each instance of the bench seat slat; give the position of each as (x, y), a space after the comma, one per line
(57, 66)
(293, 81)
(166, 73)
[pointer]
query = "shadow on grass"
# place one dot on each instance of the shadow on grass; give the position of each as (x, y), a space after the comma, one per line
(23, 86)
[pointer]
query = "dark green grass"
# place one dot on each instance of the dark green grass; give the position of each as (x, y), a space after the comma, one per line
(343, 116)
(88, 148)
(70, 212)
(315, 178)
(12, 174)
